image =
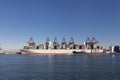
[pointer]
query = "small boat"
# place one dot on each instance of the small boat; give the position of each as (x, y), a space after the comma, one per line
(79, 52)
(18, 52)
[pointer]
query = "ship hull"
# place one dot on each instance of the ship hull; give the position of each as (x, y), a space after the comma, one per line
(58, 51)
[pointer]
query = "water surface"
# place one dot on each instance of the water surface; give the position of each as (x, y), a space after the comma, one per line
(34, 67)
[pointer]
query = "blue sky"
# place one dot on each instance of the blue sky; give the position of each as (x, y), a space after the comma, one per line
(22, 19)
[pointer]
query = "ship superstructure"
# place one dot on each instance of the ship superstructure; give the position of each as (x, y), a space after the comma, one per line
(89, 46)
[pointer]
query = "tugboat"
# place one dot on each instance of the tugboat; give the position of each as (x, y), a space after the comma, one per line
(81, 52)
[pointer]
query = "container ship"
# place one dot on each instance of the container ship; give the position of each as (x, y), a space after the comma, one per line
(89, 46)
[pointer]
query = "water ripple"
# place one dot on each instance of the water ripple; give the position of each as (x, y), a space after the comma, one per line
(21, 67)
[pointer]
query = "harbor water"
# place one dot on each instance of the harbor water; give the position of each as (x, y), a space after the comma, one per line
(61, 67)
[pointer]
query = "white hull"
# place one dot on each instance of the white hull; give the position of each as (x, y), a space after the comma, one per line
(58, 51)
